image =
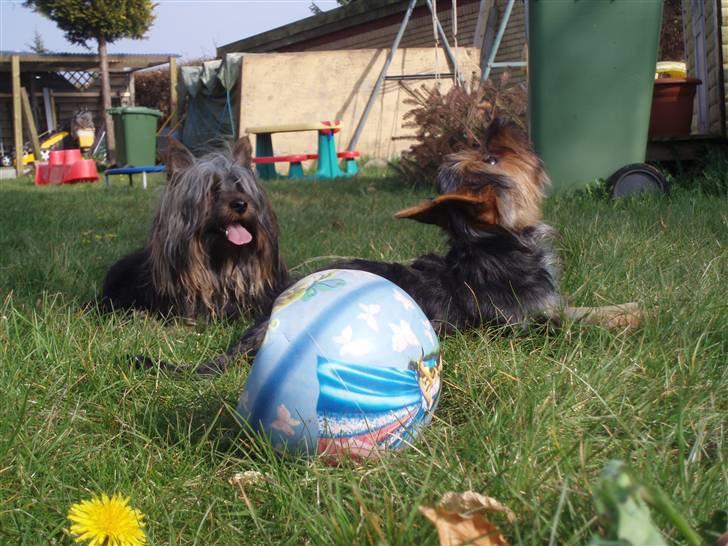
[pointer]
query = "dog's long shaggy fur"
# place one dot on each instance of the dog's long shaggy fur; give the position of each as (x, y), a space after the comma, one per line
(500, 267)
(213, 246)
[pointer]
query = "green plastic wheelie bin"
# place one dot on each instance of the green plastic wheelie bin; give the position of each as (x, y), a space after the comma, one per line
(591, 76)
(135, 129)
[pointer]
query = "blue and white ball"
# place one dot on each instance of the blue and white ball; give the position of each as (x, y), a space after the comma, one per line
(349, 364)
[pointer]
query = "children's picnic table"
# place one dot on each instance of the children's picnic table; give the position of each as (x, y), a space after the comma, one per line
(328, 164)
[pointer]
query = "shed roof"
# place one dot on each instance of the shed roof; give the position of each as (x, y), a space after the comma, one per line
(351, 15)
(58, 62)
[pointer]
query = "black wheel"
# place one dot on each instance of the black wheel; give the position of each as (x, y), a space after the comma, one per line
(636, 178)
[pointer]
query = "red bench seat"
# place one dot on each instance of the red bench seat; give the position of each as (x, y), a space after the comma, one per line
(296, 168)
(296, 160)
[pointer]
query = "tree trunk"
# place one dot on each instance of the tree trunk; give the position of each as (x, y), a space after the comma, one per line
(106, 103)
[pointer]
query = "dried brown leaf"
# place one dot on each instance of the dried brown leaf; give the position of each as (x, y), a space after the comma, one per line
(456, 530)
(470, 501)
(459, 519)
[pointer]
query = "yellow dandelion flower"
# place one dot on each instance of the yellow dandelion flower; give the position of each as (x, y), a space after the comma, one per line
(104, 521)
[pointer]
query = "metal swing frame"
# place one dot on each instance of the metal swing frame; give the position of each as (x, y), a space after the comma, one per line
(383, 74)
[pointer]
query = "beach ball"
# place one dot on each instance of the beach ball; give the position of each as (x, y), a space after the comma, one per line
(349, 365)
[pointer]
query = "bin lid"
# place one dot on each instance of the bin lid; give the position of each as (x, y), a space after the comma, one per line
(135, 110)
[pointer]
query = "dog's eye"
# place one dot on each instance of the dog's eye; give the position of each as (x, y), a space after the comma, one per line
(491, 160)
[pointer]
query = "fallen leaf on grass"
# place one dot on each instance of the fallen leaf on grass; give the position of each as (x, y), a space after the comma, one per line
(470, 502)
(459, 519)
(247, 478)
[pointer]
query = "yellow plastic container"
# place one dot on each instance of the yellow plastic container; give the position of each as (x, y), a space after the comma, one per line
(671, 69)
(85, 137)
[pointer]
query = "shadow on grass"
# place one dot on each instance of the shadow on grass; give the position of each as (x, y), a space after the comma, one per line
(188, 411)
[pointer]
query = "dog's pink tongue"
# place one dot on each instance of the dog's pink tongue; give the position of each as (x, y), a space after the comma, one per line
(238, 235)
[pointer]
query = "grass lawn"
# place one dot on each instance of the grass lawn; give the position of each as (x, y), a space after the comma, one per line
(530, 419)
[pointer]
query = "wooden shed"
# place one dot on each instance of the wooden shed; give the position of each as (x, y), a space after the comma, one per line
(705, 27)
(373, 24)
(59, 84)
(705, 39)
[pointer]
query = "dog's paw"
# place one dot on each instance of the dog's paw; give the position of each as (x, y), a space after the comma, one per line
(624, 316)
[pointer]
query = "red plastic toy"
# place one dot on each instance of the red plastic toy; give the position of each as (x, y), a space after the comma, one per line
(65, 167)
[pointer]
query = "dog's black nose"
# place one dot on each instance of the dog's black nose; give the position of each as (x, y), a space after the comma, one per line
(239, 206)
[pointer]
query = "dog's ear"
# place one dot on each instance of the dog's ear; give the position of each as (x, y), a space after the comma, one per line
(243, 151)
(428, 212)
(477, 209)
(504, 132)
(179, 157)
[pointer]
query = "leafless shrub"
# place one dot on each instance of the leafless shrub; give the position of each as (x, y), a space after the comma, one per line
(456, 120)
